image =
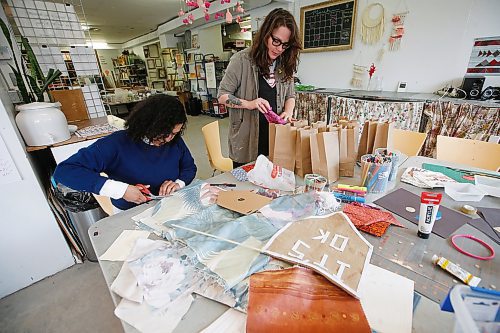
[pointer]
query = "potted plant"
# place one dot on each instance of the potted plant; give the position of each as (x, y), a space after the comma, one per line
(39, 123)
(38, 83)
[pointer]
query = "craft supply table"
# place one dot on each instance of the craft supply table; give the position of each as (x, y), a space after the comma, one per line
(399, 250)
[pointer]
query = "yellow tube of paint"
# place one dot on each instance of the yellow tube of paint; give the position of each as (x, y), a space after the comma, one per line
(456, 271)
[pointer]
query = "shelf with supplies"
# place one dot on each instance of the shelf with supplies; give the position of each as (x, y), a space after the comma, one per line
(129, 71)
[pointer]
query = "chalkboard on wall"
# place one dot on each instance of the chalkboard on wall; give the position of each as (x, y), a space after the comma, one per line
(328, 26)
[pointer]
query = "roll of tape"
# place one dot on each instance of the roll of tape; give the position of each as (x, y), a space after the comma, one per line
(467, 209)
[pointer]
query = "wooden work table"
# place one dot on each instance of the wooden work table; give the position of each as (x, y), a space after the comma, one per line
(74, 138)
(399, 251)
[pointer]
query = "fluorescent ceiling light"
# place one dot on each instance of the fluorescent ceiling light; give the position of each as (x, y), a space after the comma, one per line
(98, 45)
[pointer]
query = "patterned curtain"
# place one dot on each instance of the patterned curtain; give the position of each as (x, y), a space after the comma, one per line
(459, 120)
(311, 106)
(405, 115)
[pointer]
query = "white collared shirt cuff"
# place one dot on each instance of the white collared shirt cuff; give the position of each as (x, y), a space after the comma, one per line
(113, 189)
(181, 183)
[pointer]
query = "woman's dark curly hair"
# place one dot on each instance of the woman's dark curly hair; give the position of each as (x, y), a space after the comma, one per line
(155, 117)
(289, 59)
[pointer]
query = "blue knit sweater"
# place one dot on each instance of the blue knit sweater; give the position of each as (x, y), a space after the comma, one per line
(128, 161)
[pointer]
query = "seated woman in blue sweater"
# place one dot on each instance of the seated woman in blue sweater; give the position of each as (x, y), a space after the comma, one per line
(149, 151)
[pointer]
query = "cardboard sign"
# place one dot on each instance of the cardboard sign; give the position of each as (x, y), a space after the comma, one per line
(243, 202)
(331, 246)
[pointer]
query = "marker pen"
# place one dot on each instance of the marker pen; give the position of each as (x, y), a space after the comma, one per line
(429, 206)
(348, 198)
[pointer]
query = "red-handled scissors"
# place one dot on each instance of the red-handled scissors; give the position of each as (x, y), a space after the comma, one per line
(145, 190)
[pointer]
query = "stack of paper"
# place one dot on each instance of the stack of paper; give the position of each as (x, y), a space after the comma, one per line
(425, 178)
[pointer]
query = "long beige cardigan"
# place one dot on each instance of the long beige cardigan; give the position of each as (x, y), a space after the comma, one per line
(242, 80)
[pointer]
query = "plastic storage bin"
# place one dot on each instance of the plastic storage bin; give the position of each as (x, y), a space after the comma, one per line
(476, 309)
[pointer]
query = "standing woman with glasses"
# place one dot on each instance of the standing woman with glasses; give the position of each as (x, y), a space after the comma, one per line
(259, 79)
(150, 151)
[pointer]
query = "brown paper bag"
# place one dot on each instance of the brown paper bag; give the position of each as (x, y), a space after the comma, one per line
(272, 138)
(300, 123)
(325, 155)
(320, 125)
(383, 135)
(303, 164)
(284, 146)
(367, 138)
(348, 148)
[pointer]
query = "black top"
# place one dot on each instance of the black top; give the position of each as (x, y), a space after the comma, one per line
(269, 94)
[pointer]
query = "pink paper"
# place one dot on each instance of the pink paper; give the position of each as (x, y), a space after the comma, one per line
(273, 118)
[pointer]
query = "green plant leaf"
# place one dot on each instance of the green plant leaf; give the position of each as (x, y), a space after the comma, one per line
(36, 70)
(36, 89)
(6, 32)
(48, 81)
(20, 85)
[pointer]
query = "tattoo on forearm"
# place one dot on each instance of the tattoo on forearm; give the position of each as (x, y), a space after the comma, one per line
(233, 101)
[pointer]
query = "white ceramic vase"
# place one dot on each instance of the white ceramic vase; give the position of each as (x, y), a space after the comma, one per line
(42, 123)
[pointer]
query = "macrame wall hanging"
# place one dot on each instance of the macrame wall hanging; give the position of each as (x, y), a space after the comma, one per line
(358, 75)
(372, 28)
(398, 30)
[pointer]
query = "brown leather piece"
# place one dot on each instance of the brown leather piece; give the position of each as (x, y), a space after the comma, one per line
(298, 300)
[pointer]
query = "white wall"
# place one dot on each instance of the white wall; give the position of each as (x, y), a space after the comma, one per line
(435, 49)
(32, 246)
(210, 40)
(105, 59)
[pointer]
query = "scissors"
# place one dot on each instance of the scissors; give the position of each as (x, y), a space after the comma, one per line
(145, 190)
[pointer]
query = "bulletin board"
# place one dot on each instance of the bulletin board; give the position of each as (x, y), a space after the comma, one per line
(328, 26)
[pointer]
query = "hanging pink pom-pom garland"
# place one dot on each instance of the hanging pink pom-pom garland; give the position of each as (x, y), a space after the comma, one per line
(229, 16)
(205, 4)
(239, 8)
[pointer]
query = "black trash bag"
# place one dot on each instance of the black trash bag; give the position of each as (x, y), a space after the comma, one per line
(75, 201)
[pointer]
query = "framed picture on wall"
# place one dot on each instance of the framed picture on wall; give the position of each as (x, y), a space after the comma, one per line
(152, 75)
(158, 62)
(151, 64)
(167, 57)
(153, 51)
(160, 85)
(146, 51)
(194, 42)
(162, 74)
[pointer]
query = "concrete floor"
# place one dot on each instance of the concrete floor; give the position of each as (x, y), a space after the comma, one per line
(77, 299)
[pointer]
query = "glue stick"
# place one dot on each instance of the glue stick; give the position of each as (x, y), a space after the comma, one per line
(429, 206)
(456, 271)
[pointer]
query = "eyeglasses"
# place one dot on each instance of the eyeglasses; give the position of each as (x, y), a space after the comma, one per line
(278, 42)
(165, 138)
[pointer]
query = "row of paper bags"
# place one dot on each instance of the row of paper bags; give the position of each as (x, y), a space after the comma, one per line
(328, 150)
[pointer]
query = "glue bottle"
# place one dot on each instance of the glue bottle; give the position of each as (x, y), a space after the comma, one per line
(429, 206)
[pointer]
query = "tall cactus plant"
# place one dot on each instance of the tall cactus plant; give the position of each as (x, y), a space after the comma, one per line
(36, 91)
